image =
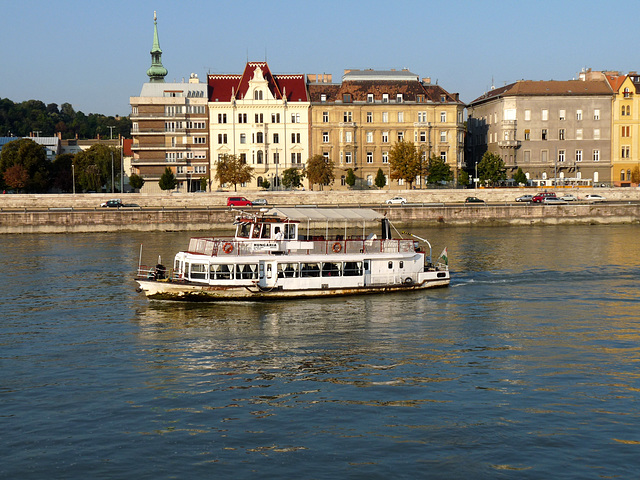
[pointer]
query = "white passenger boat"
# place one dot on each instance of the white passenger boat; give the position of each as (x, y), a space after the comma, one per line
(286, 253)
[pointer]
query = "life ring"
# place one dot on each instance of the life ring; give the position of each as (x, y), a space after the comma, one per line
(336, 248)
(408, 281)
(227, 248)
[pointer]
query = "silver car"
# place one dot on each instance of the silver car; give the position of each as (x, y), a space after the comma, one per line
(396, 201)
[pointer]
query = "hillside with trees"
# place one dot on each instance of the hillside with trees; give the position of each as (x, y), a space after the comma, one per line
(20, 119)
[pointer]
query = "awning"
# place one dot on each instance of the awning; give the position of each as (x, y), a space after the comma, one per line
(312, 214)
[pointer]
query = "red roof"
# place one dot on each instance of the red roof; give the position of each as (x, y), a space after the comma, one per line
(222, 88)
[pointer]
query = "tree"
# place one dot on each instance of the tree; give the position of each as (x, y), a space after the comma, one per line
(203, 184)
(404, 158)
(351, 178)
(168, 180)
(319, 170)
(265, 184)
(94, 167)
(520, 177)
(16, 177)
(232, 169)
(292, 178)
(136, 181)
(62, 172)
(438, 170)
(463, 178)
(491, 169)
(380, 180)
(32, 158)
(635, 175)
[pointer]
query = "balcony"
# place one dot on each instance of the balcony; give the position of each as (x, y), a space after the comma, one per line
(509, 143)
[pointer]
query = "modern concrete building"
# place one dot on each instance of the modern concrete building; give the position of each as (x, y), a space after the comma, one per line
(551, 129)
(356, 123)
(262, 118)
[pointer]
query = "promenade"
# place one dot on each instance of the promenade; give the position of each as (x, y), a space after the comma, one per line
(65, 213)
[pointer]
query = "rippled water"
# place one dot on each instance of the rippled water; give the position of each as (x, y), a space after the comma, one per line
(526, 367)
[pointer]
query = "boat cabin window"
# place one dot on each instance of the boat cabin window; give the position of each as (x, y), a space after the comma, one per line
(247, 271)
(401, 264)
(352, 269)
(309, 270)
(198, 271)
(331, 269)
(290, 231)
(288, 270)
(390, 264)
(256, 230)
(220, 272)
(266, 231)
(243, 230)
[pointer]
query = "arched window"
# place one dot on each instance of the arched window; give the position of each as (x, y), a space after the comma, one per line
(259, 157)
(627, 93)
(259, 181)
(622, 175)
(257, 94)
(628, 174)
(259, 137)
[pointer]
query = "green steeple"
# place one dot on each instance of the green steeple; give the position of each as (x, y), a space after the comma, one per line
(156, 72)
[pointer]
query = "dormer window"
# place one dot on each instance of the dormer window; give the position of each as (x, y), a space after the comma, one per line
(385, 98)
(257, 95)
(399, 98)
(323, 97)
(369, 97)
(346, 98)
(627, 93)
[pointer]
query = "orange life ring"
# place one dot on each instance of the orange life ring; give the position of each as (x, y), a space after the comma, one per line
(336, 247)
(227, 248)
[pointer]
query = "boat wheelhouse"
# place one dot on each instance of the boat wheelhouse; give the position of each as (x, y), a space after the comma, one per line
(297, 252)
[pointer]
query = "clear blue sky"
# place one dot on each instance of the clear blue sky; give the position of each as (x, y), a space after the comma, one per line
(94, 55)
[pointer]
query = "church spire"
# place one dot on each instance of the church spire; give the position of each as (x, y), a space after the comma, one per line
(156, 72)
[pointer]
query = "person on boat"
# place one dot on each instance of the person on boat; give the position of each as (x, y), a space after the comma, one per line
(278, 236)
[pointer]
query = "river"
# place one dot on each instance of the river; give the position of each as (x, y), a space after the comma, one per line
(525, 367)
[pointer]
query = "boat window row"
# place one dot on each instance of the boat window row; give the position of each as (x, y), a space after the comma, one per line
(319, 269)
(266, 230)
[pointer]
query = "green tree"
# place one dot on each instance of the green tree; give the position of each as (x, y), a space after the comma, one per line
(463, 178)
(265, 184)
(292, 178)
(380, 180)
(168, 180)
(635, 175)
(319, 170)
(94, 167)
(350, 178)
(203, 183)
(136, 181)
(62, 172)
(491, 169)
(438, 170)
(520, 177)
(32, 158)
(233, 170)
(404, 158)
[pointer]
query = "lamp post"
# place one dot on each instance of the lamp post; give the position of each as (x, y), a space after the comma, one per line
(73, 177)
(112, 175)
(277, 161)
(475, 179)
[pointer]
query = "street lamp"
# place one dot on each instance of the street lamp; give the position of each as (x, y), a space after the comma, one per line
(475, 179)
(73, 177)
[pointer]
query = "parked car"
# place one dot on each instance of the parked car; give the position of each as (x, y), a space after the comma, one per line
(396, 201)
(569, 198)
(524, 198)
(539, 197)
(473, 200)
(595, 198)
(238, 202)
(553, 201)
(260, 202)
(113, 203)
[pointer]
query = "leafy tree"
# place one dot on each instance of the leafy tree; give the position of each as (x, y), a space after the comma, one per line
(16, 177)
(94, 167)
(380, 180)
(463, 178)
(168, 180)
(491, 169)
(319, 170)
(232, 169)
(520, 177)
(265, 184)
(635, 175)
(32, 158)
(62, 172)
(136, 181)
(351, 178)
(203, 184)
(292, 178)
(404, 158)
(438, 170)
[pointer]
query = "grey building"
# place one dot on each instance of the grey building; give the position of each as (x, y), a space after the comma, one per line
(551, 129)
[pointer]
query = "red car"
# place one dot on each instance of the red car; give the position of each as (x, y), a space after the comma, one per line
(238, 202)
(539, 198)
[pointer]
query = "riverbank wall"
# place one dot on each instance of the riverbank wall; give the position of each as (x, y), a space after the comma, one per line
(21, 214)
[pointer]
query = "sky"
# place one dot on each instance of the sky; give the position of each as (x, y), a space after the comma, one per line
(94, 55)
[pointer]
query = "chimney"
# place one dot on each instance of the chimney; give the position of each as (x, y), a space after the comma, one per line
(59, 135)
(427, 80)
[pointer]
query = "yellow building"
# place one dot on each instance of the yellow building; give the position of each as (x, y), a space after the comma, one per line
(625, 136)
(357, 122)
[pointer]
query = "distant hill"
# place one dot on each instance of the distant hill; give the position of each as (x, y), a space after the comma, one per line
(20, 119)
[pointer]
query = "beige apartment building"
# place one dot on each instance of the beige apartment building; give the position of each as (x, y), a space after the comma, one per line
(625, 149)
(558, 132)
(356, 123)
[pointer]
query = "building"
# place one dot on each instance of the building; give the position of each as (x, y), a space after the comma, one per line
(170, 128)
(261, 118)
(551, 129)
(51, 145)
(357, 122)
(625, 137)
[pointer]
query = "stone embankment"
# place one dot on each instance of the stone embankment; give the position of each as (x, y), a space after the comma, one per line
(208, 211)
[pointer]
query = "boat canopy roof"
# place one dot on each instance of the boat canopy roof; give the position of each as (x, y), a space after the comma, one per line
(326, 214)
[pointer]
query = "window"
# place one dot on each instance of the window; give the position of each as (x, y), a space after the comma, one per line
(242, 118)
(222, 138)
(545, 114)
(325, 137)
(385, 98)
(295, 138)
(443, 156)
(369, 137)
(259, 137)
(561, 134)
(259, 118)
(578, 114)
(275, 118)
(563, 114)
(596, 114)
(527, 115)
(385, 117)
(369, 97)
(400, 136)
(400, 117)
(369, 117)
(423, 136)
(325, 117)
(398, 98)
(276, 138)
(596, 134)
(243, 138)
(323, 97)
(443, 117)
(626, 131)
(625, 152)
(257, 95)
(579, 134)
(627, 93)
(385, 137)
(259, 157)
(422, 117)
(527, 134)
(385, 157)
(419, 98)
(544, 134)
(276, 158)
(578, 155)
(369, 157)
(295, 118)
(347, 157)
(347, 117)
(561, 156)
(346, 97)
(296, 158)
(222, 118)
(369, 180)
(443, 136)
(596, 155)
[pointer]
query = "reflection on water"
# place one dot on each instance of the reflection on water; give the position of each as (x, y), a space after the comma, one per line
(526, 367)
